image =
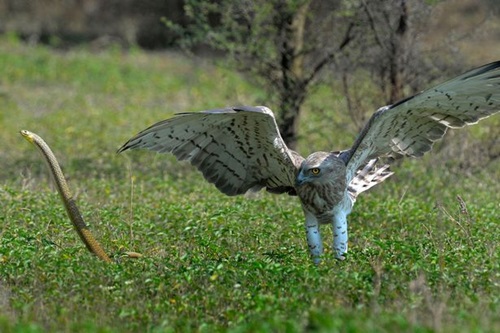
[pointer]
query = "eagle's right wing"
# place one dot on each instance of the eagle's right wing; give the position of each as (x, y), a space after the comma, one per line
(237, 149)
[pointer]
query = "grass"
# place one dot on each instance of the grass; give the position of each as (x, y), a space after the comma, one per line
(213, 263)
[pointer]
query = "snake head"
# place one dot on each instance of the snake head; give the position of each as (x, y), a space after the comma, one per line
(28, 135)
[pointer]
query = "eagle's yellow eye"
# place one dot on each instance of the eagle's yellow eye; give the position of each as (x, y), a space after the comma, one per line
(315, 171)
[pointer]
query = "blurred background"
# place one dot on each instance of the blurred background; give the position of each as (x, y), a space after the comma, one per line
(139, 22)
(364, 54)
(130, 22)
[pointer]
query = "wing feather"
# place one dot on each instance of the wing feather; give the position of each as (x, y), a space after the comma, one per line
(410, 127)
(237, 149)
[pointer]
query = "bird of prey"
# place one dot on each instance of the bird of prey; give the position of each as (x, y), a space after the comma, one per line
(240, 149)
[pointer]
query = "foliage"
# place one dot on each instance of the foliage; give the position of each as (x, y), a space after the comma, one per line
(283, 45)
(289, 47)
(418, 262)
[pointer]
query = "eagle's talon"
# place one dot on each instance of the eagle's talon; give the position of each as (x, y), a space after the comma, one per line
(341, 257)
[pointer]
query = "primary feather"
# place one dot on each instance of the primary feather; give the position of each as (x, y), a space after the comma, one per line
(236, 149)
(410, 127)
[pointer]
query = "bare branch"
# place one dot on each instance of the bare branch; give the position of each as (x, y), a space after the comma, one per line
(330, 56)
(371, 21)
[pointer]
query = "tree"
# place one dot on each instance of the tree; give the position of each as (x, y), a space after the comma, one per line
(388, 53)
(287, 46)
(279, 43)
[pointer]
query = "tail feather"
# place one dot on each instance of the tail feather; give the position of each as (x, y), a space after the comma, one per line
(368, 177)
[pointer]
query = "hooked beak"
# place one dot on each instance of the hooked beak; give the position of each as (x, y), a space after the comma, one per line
(300, 179)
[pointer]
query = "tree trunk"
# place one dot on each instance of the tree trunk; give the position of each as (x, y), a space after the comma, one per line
(293, 86)
(289, 119)
(398, 45)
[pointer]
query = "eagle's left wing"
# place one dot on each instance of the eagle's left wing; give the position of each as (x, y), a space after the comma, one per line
(411, 126)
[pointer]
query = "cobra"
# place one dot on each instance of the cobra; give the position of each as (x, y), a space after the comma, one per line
(68, 200)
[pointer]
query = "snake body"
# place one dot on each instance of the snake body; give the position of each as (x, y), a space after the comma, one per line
(69, 202)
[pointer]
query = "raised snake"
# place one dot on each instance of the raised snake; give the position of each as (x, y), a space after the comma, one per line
(69, 202)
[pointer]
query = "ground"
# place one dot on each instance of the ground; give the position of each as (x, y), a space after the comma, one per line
(417, 261)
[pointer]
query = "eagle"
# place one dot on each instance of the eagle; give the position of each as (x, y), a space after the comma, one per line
(240, 149)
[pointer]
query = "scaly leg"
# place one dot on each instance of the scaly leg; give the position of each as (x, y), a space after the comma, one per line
(339, 226)
(313, 237)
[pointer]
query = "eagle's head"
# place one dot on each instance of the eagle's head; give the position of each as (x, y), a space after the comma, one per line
(321, 168)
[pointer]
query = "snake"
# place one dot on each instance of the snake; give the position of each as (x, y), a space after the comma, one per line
(68, 200)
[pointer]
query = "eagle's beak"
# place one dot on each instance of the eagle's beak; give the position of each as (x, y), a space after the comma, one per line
(299, 180)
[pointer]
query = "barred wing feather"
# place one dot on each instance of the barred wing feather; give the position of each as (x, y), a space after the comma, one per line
(411, 126)
(237, 149)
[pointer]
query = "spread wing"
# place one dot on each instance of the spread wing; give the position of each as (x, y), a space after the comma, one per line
(411, 126)
(237, 149)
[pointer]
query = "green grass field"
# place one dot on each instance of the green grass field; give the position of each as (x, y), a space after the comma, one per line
(213, 263)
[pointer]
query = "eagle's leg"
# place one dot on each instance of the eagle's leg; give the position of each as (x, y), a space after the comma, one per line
(339, 226)
(313, 237)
